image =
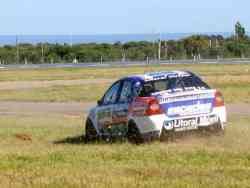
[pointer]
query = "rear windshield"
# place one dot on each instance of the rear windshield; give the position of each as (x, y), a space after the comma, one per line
(173, 84)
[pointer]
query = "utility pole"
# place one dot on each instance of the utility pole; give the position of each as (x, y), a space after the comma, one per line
(42, 52)
(166, 49)
(216, 43)
(159, 48)
(154, 46)
(154, 50)
(101, 60)
(123, 55)
(17, 50)
(210, 43)
(71, 40)
(147, 60)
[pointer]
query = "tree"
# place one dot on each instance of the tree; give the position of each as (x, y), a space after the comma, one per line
(195, 45)
(240, 31)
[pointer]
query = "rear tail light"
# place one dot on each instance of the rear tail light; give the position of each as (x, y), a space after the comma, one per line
(218, 99)
(150, 105)
(153, 108)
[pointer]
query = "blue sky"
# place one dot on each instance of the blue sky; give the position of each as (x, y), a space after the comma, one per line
(116, 16)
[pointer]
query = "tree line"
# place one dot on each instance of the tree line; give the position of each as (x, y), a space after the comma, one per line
(193, 47)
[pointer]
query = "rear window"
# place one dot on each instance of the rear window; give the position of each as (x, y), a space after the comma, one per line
(174, 84)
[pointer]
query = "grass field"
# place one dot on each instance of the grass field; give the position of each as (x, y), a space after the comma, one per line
(232, 80)
(191, 161)
(234, 89)
(88, 73)
(46, 150)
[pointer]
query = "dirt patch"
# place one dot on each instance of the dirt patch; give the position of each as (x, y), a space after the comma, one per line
(238, 109)
(24, 137)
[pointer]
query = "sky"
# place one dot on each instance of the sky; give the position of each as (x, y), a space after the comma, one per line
(48, 17)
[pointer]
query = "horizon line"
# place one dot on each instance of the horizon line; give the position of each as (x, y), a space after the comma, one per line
(96, 34)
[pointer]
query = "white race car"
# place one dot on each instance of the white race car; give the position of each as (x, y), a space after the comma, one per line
(156, 105)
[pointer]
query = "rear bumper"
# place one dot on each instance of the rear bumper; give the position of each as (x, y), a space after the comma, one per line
(154, 124)
(169, 134)
(151, 135)
(221, 112)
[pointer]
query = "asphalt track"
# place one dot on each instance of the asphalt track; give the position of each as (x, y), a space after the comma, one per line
(123, 64)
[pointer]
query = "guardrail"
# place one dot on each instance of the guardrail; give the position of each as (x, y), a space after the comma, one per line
(127, 63)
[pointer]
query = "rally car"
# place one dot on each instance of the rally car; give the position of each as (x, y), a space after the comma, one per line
(154, 106)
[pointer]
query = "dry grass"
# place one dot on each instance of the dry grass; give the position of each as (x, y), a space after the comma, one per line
(234, 88)
(30, 157)
(78, 93)
(93, 73)
(89, 84)
(192, 161)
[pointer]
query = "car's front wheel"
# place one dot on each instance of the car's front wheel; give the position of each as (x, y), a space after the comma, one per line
(90, 131)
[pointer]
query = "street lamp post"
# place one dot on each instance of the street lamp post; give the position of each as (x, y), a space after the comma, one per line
(17, 50)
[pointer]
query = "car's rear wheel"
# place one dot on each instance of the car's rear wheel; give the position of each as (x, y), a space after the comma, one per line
(218, 128)
(90, 131)
(133, 134)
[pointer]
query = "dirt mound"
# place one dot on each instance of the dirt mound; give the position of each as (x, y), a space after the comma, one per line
(24, 137)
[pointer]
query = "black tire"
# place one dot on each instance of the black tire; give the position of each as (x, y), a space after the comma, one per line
(218, 128)
(133, 134)
(90, 132)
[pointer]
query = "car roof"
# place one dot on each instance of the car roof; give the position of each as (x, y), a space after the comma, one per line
(151, 76)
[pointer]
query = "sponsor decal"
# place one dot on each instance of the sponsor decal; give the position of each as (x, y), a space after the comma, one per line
(164, 75)
(182, 124)
(204, 120)
(167, 99)
(197, 108)
(190, 123)
(183, 105)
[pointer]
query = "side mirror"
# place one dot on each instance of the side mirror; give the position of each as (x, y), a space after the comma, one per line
(99, 102)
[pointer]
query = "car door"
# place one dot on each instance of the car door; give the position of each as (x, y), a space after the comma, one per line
(120, 109)
(105, 108)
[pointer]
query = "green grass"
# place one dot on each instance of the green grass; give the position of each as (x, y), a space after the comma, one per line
(232, 80)
(192, 161)
(233, 91)
(89, 73)
(195, 161)
(77, 93)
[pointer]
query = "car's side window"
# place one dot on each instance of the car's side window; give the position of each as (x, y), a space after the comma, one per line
(126, 92)
(112, 94)
(137, 89)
